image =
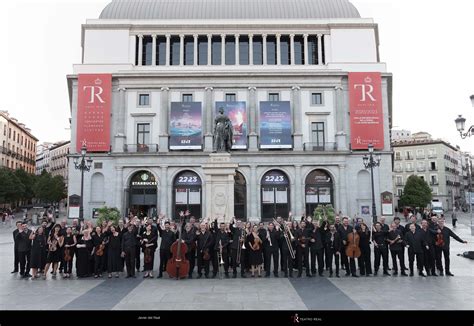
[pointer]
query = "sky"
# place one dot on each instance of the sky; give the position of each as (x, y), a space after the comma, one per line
(428, 45)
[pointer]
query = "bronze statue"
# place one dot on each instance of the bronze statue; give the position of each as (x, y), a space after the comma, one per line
(223, 133)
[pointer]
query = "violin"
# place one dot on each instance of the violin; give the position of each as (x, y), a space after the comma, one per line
(100, 250)
(352, 249)
(178, 265)
(147, 255)
(440, 240)
(256, 243)
(67, 254)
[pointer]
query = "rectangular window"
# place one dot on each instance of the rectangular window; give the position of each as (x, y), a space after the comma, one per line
(317, 135)
(299, 49)
(143, 134)
(188, 50)
(175, 48)
(420, 153)
(230, 97)
(271, 50)
(143, 99)
(312, 50)
(398, 156)
(187, 97)
(202, 50)
(97, 165)
(137, 44)
(161, 50)
(432, 152)
(230, 50)
(273, 97)
(285, 50)
(409, 167)
(216, 50)
(408, 155)
(244, 50)
(257, 50)
(316, 98)
(147, 50)
(433, 166)
(323, 56)
(399, 180)
(399, 192)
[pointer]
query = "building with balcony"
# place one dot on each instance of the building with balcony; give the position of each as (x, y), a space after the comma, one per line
(252, 55)
(59, 159)
(18, 145)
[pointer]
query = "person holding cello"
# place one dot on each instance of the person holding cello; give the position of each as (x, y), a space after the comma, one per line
(353, 250)
(177, 265)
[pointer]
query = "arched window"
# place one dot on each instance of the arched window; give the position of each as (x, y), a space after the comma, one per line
(187, 194)
(275, 195)
(143, 198)
(319, 190)
(97, 188)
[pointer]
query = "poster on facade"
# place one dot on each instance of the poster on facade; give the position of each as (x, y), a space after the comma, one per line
(93, 112)
(366, 111)
(387, 203)
(237, 113)
(365, 210)
(311, 195)
(181, 196)
(186, 125)
(275, 125)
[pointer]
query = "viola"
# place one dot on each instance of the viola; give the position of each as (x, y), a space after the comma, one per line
(178, 266)
(353, 249)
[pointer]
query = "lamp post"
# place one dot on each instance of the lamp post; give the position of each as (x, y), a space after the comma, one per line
(82, 164)
(460, 126)
(371, 162)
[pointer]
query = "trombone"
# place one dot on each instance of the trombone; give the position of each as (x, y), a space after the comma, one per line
(240, 247)
(219, 258)
(288, 237)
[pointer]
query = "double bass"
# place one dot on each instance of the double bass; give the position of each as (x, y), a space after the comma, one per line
(178, 266)
(353, 249)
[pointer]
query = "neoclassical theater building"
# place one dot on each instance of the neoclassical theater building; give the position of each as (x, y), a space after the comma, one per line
(280, 69)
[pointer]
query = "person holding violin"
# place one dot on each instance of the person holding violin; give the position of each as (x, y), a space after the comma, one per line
(204, 242)
(333, 248)
(70, 242)
(395, 240)
(98, 239)
(55, 242)
(189, 237)
(129, 243)
(379, 238)
(353, 250)
(303, 236)
(443, 235)
(415, 244)
(149, 243)
(365, 265)
(168, 237)
(38, 251)
(429, 255)
(254, 242)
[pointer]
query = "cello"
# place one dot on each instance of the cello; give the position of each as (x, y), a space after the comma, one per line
(353, 249)
(178, 266)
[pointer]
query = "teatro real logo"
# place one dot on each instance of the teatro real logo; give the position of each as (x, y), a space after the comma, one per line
(366, 90)
(95, 91)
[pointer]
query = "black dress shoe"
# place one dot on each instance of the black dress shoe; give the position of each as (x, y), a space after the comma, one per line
(337, 275)
(434, 274)
(330, 274)
(243, 276)
(275, 274)
(404, 274)
(449, 274)
(354, 275)
(199, 276)
(441, 273)
(386, 273)
(267, 275)
(15, 271)
(234, 275)
(160, 276)
(422, 274)
(411, 274)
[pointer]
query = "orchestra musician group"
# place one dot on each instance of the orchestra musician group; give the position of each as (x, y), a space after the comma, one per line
(209, 248)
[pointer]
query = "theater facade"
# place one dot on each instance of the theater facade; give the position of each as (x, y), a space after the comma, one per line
(302, 82)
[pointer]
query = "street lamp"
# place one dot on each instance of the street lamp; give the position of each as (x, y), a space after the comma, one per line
(83, 164)
(370, 162)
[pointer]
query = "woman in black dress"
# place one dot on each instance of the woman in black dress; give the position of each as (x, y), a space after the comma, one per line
(83, 254)
(69, 249)
(55, 242)
(255, 251)
(114, 260)
(38, 251)
(149, 244)
(364, 245)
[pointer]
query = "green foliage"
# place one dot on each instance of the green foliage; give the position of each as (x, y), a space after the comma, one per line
(108, 214)
(324, 211)
(11, 189)
(49, 189)
(28, 181)
(417, 193)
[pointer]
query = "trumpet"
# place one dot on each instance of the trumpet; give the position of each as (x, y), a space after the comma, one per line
(221, 261)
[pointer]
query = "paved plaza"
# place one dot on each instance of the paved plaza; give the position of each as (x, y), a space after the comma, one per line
(317, 293)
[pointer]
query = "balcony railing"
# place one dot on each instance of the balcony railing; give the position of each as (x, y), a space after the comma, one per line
(399, 183)
(140, 148)
(434, 183)
(399, 169)
(432, 155)
(407, 169)
(433, 169)
(320, 147)
(420, 169)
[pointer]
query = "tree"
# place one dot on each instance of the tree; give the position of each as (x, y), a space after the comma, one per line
(108, 214)
(50, 189)
(416, 193)
(11, 189)
(28, 181)
(325, 211)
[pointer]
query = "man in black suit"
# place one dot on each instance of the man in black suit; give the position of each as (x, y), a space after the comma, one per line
(333, 248)
(15, 247)
(415, 243)
(24, 248)
(442, 247)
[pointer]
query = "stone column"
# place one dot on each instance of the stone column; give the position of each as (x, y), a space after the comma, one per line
(223, 49)
(299, 195)
(208, 138)
(119, 190)
(153, 50)
(297, 132)
(195, 52)
(251, 49)
(306, 54)
(168, 49)
(278, 36)
(292, 49)
(140, 49)
(264, 48)
(253, 136)
(181, 50)
(320, 50)
(164, 192)
(164, 118)
(253, 194)
(237, 52)
(340, 116)
(342, 202)
(209, 49)
(121, 112)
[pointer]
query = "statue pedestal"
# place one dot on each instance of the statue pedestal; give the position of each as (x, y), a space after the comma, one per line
(219, 177)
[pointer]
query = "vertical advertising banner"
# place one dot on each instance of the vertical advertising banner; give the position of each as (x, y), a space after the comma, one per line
(186, 125)
(93, 112)
(237, 113)
(275, 125)
(365, 100)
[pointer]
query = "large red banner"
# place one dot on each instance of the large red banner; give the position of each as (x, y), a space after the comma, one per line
(93, 112)
(365, 100)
